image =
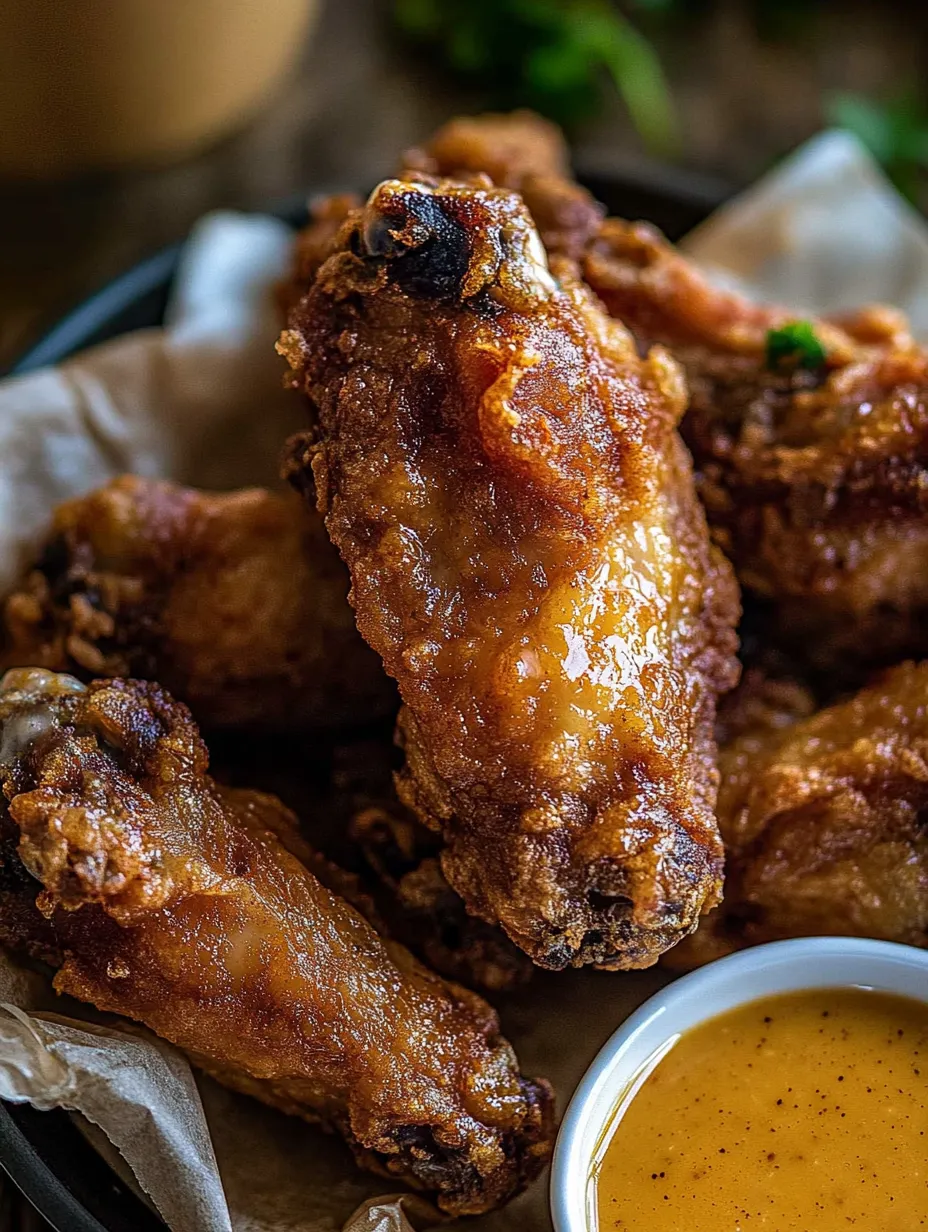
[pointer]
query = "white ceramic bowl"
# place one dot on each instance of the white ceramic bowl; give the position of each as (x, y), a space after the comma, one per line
(783, 966)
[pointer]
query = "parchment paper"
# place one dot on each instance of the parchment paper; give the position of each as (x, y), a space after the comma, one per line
(201, 401)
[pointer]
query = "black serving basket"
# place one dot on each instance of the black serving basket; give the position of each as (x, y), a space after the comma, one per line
(44, 1153)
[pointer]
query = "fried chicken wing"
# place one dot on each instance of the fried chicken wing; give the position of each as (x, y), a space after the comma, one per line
(173, 901)
(502, 474)
(234, 601)
(815, 480)
(824, 819)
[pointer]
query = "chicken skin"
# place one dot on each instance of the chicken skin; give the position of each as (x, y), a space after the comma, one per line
(526, 153)
(501, 472)
(234, 601)
(813, 471)
(423, 912)
(823, 818)
(326, 216)
(517, 150)
(161, 896)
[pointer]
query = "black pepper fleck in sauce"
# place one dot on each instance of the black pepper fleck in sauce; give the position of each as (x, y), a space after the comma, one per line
(834, 1075)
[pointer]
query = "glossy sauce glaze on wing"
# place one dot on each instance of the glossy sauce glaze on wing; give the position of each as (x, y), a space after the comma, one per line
(823, 816)
(190, 907)
(502, 474)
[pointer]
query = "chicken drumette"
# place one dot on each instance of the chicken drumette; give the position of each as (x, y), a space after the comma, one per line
(160, 895)
(235, 601)
(502, 474)
(812, 460)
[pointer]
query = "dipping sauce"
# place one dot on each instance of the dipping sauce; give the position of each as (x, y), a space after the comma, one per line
(803, 1111)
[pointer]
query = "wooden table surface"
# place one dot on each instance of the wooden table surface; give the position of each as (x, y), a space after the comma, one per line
(358, 100)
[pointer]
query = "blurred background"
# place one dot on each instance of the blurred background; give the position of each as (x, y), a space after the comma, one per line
(123, 120)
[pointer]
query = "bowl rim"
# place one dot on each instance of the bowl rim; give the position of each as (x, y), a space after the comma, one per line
(722, 986)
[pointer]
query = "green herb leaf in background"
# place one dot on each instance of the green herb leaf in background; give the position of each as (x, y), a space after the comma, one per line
(793, 346)
(554, 55)
(895, 133)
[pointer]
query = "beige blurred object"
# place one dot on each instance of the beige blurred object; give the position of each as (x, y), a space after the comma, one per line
(102, 83)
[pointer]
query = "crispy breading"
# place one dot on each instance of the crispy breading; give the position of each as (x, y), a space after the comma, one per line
(234, 601)
(502, 474)
(824, 819)
(521, 151)
(313, 243)
(815, 481)
(171, 900)
(423, 912)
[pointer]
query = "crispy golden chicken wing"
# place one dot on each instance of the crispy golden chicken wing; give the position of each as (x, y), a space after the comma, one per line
(814, 477)
(186, 906)
(502, 474)
(234, 601)
(825, 819)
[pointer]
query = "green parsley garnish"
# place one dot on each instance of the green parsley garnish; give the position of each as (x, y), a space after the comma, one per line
(794, 346)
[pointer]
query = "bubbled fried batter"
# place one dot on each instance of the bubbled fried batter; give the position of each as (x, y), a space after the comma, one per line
(824, 818)
(815, 481)
(326, 216)
(521, 151)
(181, 904)
(501, 472)
(423, 912)
(234, 601)
(517, 150)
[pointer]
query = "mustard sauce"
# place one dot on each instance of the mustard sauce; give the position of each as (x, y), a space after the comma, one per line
(804, 1111)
